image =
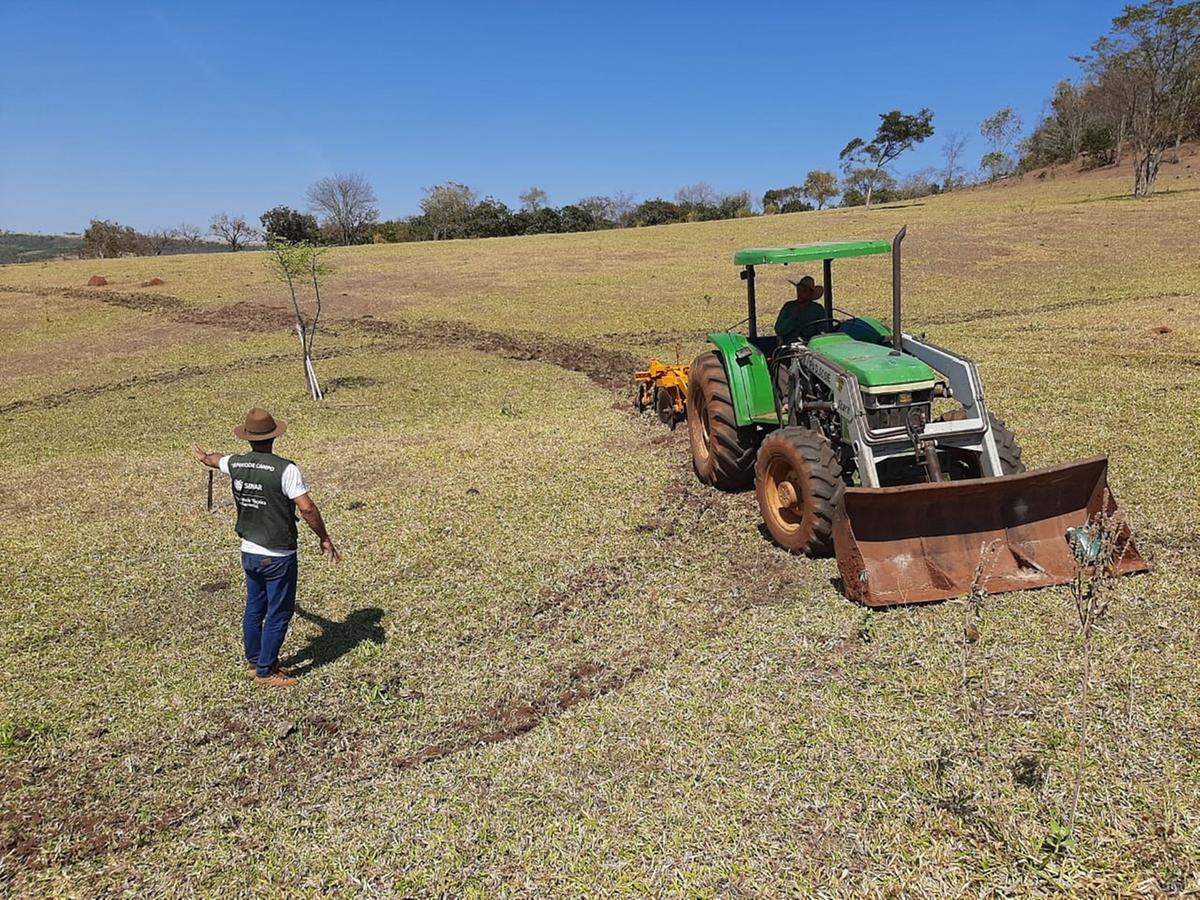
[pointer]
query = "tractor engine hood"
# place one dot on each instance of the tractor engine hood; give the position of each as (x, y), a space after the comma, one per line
(874, 365)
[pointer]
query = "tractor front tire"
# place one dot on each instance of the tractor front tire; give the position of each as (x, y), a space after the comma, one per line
(965, 463)
(722, 453)
(798, 483)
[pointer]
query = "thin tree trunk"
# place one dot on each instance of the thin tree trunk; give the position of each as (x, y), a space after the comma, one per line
(1146, 171)
(310, 377)
(1120, 141)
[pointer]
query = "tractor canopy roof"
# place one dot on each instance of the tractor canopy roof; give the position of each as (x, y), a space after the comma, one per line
(760, 256)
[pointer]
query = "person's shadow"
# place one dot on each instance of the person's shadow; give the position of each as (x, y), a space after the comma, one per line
(336, 638)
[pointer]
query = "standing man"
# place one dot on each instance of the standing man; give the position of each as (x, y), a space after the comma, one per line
(268, 491)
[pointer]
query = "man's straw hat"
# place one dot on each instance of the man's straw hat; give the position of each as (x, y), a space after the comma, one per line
(807, 290)
(260, 425)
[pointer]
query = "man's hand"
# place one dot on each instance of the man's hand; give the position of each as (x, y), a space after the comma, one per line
(327, 549)
(205, 458)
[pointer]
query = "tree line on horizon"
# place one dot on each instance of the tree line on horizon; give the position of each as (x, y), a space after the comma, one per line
(1139, 89)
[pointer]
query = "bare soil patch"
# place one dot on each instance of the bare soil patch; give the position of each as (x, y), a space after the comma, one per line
(241, 316)
(608, 368)
(506, 718)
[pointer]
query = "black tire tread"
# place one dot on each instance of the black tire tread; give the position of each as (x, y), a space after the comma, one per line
(732, 448)
(1006, 442)
(824, 474)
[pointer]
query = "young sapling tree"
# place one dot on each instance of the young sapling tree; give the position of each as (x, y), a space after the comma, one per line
(300, 266)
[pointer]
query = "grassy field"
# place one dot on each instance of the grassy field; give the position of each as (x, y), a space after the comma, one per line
(551, 662)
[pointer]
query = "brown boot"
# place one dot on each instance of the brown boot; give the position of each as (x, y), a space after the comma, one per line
(252, 671)
(275, 679)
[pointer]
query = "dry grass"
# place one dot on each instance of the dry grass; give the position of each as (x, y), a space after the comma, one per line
(552, 663)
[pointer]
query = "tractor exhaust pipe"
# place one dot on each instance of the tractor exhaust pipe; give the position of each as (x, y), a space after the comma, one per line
(896, 289)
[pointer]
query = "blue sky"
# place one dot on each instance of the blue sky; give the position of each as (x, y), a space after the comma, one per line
(158, 113)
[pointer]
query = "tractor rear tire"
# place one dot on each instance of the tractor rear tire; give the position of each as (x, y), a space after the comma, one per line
(722, 453)
(965, 463)
(798, 483)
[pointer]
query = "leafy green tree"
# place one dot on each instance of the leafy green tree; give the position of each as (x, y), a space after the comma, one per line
(604, 211)
(996, 164)
(108, 240)
(289, 224)
(897, 134)
(1152, 60)
(860, 184)
(820, 186)
(542, 221)
(489, 218)
(656, 212)
(575, 217)
(1000, 130)
(784, 200)
(398, 231)
(734, 206)
(447, 208)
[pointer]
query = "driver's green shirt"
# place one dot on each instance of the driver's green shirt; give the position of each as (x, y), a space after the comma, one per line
(795, 318)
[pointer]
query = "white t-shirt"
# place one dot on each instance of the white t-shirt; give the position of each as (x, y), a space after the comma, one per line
(293, 486)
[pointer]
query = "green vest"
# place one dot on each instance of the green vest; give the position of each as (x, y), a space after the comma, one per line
(796, 320)
(265, 514)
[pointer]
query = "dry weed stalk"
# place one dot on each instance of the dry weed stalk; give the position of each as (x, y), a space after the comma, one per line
(975, 687)
(1098, 546)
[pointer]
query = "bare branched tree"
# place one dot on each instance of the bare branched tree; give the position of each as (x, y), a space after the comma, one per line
(699, 195)
(189, 234)
(159, 240)
(952, 152)
(233, 230)
(347, 203)
(534, 199)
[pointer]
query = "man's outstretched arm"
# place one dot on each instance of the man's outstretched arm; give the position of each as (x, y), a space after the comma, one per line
(312, 517)
(205, 458)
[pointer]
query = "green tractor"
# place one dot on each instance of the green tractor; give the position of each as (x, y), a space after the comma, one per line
(835, 428)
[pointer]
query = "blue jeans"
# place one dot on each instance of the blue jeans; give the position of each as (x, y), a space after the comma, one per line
(270, 602)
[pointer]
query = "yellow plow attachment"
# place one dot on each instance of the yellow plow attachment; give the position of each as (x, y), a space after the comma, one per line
(922, 542)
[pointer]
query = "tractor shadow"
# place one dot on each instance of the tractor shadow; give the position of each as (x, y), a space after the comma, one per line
(336, 638)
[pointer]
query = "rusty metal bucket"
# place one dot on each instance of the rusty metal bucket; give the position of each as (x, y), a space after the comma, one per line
(922, 542)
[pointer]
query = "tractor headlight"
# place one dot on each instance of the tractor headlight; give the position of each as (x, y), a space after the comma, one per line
(904, 398)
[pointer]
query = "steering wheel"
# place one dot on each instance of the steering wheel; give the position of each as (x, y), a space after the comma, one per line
(826, 325)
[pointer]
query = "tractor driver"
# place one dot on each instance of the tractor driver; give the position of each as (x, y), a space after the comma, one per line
(803, 317)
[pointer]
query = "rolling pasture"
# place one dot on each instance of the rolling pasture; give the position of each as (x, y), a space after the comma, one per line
(551, 661)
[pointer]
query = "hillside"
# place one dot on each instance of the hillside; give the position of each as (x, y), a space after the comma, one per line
(25, 248)
(552, 662)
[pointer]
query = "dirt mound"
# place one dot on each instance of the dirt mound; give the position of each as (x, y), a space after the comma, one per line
(153, 282)
(241, 316)
(97, 281)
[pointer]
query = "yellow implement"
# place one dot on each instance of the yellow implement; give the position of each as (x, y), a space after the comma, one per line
(663, 388)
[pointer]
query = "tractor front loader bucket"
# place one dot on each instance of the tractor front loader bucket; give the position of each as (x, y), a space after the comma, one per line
(922, 542)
